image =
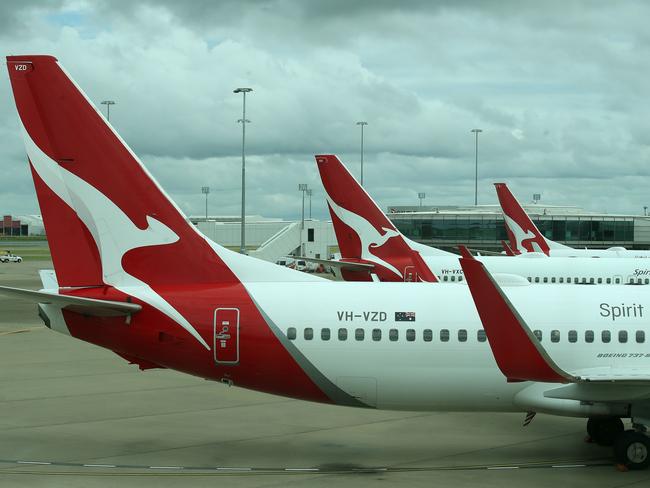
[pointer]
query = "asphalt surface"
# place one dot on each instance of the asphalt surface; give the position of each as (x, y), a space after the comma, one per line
(75, 415)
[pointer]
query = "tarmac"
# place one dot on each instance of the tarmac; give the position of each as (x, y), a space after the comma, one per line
(75, 415)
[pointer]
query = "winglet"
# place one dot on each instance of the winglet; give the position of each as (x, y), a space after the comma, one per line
(518, 353)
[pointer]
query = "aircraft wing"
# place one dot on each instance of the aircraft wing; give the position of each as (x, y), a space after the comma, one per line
(340, 264)
(86, 306)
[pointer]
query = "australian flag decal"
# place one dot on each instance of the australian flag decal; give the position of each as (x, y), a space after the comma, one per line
(404, 316)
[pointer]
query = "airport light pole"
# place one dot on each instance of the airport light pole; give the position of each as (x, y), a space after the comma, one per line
(476, 131)
(108, 104)
(421, 196)
(362, 124)
(206, 191)
(309, 193)
(243, 121)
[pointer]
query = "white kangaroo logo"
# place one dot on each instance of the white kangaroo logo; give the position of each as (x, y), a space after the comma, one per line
(113, 231)
(369, 236)
(521, 235)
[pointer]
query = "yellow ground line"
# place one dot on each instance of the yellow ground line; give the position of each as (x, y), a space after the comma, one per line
(18, 331)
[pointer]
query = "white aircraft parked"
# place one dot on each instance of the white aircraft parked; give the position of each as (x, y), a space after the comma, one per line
(372, 248)
(525, 237)
(607, 375)
(223, 316)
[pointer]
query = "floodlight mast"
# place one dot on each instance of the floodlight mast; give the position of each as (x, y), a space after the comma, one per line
(243, 121)
(477, 132)
(362, 124)
(108, 104)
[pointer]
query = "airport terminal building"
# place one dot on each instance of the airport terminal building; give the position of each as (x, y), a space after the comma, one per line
(481, 228)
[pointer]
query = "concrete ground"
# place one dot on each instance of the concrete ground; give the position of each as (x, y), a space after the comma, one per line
(71, 405)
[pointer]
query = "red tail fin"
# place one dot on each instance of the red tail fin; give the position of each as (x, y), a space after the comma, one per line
(523, 235)
(107, 220)
(363, 231)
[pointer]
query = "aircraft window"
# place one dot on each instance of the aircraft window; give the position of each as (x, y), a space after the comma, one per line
(639, 281)
(453, 278)
(552, 279)
(576, 280)
(545, 279)
(325, 334)
(536, 279)
(462, 335)
(561, 279)
(393, 334)
(608, 281)
(359, 334)
(617, 280)
(591, 281)
(309, 334)
(445, 278)
(555, 335)
(538, 334)
(530, 280)
(376, 334)
(480, 335)
(343, 334)
(600, 280)
(630, 281)
(584, 281)
(640, 336)
(606, 336)
(444, 335)
(460, 278)
(647, 281)
(410, 335)
(291, 333)
(427, 335)
(622, 336)
(589, 336)
(573, 336)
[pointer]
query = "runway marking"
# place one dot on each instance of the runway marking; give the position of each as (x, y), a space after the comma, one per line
(19, 331)
(246, 470)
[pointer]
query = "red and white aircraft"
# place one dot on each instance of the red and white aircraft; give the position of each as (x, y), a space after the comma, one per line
(114, 233)
(589, 377)
(372, 248)
(525, 237)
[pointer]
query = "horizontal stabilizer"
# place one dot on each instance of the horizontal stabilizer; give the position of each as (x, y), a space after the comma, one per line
(86, 306)
(351, 266)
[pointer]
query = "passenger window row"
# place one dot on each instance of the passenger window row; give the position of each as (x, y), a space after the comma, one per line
(589, 336)
(452, 278)
(461, 336)
(588, 281)
(376, 334)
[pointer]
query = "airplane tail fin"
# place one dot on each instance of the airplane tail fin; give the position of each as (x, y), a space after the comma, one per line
(523, 234)
(363, 231)
(103, 212)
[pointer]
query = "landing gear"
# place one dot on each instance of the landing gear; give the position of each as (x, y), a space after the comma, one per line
(632, 449)
(604, 430)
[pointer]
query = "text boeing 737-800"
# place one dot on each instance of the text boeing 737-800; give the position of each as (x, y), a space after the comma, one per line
(113, 234)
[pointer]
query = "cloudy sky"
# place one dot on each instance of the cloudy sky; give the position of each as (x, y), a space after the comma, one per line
(560, 90)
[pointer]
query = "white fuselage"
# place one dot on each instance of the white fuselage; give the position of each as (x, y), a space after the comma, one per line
(455, 374)
(538, 268)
